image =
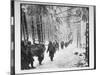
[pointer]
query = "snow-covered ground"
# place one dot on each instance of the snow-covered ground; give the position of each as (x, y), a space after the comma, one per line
(63, 58)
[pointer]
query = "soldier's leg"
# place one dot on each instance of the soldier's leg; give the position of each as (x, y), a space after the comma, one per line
(31, 62)
(40, 59)
(26, 63)
(51, 56)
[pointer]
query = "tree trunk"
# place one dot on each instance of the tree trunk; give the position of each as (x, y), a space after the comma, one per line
(33, 32)
(24, 26)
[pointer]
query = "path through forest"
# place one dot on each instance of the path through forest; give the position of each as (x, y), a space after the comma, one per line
(64, 58)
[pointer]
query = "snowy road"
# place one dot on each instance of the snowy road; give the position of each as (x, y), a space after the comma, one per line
(64, 58)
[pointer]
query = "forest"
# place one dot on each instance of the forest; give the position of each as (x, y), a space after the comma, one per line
(43, 23)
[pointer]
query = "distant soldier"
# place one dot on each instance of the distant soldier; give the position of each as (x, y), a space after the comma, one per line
(62, 44)
(66, 44)
(51, 49)
(69, 42)
(57, 45)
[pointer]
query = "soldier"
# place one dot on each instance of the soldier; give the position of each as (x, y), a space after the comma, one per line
(26, 56)
(38, 50)
(24, 59)
(57, 45)
(51, 49)
(41, 53)
(66, 44)
(62, 44)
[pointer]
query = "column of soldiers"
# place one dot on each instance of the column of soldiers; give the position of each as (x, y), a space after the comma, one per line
(28, 51)
(54, 46)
